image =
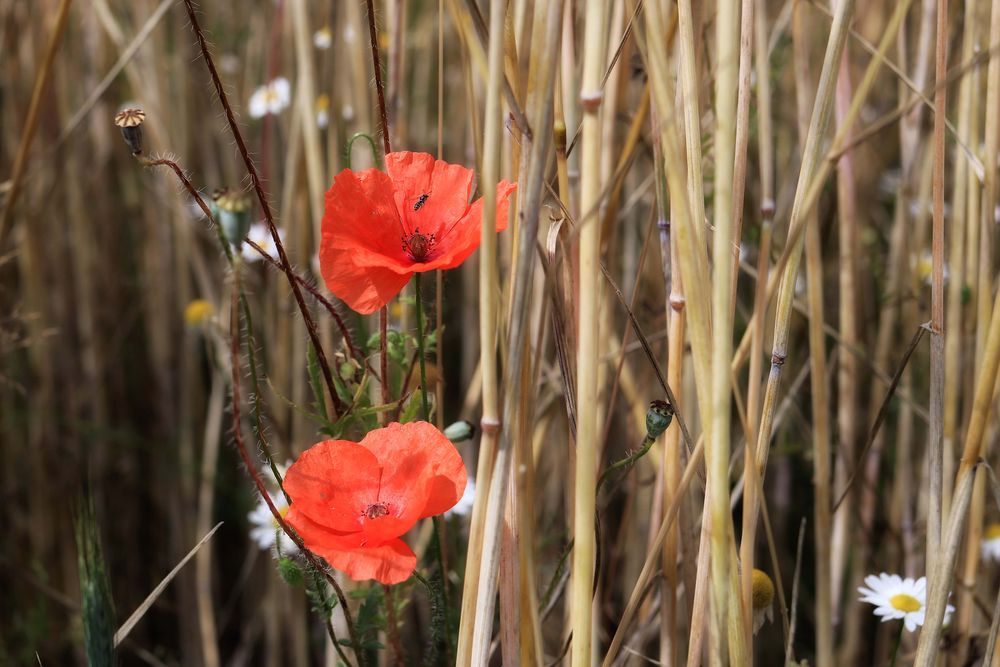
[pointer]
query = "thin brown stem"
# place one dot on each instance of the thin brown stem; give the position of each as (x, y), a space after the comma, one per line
(338, 404)
(236, 368)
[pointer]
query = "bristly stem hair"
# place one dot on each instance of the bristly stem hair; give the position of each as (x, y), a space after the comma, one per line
(338, 405)
(383, 313)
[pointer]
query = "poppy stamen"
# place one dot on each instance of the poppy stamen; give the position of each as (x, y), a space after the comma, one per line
(376, 510)
(418, 246)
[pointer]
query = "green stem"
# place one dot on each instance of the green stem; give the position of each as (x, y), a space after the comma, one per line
(627, 461)
(349, 147)
(899, 641)
(425, 415)
(425, 408)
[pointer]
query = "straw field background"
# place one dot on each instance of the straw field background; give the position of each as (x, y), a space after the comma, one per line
(778, 217)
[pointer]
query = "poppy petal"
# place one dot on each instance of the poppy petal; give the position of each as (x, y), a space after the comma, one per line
(420, 467)
(360, 211)
(333, 482)
(389, 563)
(455, 244)
(364, 289)
(316, 536)
(361, 228)
(447, 188)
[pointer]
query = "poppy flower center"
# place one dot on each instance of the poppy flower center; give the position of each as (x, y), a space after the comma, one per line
(904, 602)
(418, 245)
(376, 510)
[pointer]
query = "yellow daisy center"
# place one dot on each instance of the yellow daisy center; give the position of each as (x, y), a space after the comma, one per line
(992, 531)
(904, 602)
(282, 511)
(763, 590)
(196, 312)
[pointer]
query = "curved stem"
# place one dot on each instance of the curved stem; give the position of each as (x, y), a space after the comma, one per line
(338, 405)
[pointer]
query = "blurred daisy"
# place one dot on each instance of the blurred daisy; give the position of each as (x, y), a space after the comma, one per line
(264, 529)
(762, 599)
(193, 208)
(925, 267)
(323, 38)
(198, 312)
(464, 505)
(271, 99)
(229, 63)
(261, 235)
(897, 598)
(991, 542)
(323, 111)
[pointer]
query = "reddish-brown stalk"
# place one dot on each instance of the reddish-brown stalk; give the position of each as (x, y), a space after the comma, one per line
(338, 405)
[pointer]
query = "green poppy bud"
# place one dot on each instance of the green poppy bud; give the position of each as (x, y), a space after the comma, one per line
(460, 431)
(658, 418)
(232, 210)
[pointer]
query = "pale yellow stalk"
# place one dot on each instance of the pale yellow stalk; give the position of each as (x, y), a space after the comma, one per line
(588, 351)
(717, 450)
(488, 306)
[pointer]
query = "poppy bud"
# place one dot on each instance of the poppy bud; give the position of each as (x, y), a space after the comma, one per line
(559, 135)
(658, 418)
(290, 572)
(129, 121)
(460, 431)
(232, 210)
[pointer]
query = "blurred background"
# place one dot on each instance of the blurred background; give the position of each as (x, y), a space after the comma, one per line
(114, 306)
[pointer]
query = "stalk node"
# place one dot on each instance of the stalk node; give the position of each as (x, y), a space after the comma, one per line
(490, 425)
(591, 100)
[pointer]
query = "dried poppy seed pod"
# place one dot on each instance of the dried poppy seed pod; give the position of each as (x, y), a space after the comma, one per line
(129, 121)
(658, 418)
(460, 431)
(232, 210)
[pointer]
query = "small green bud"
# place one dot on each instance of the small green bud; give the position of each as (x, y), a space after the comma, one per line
(460, 431)
(290, 572)
(658, 418)
(232, 210)
(559, 135)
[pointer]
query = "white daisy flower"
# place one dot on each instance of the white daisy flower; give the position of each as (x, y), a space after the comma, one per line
(464, 505)
(271, 99)
(193, 208)
(264, 529)
(229, 63)
(991, 542)
(261, 235)
(924, 267)
(762, 599)
(323, 38)
(322, 111)
(897, 598)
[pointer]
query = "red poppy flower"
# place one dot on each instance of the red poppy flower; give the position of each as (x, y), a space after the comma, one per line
(379, 228)
(351, 501)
